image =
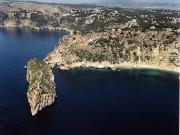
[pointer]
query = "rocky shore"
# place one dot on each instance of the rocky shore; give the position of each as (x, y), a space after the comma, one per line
(22, 26)
(41, 91)
(125, 49)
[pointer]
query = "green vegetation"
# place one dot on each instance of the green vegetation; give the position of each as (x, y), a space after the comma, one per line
(38, 20)
(40, 74)
(116, 48)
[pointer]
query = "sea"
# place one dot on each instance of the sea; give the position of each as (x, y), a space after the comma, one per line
(90, 101)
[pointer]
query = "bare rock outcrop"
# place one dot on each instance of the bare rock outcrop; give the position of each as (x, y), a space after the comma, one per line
(41, 91)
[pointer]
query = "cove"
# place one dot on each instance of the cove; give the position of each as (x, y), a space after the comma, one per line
(90, 102)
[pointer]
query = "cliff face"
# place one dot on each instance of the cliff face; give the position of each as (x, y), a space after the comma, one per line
(117, 50)
(41, 91)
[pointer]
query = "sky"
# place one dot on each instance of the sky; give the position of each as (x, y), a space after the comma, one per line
(97, 1)
(69, 1)
(101, 1)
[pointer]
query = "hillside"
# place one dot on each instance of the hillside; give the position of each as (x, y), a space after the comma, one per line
(118, 49)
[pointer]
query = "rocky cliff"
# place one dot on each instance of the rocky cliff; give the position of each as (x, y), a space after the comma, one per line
(118, 49)
(41, 91)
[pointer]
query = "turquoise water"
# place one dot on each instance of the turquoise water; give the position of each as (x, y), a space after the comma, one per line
(90, 102)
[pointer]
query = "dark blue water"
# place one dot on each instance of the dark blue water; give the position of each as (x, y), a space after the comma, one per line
(129, 102)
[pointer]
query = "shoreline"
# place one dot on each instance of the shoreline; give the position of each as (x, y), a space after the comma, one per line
(115, 67)
(94, 65)
(67, 55)
(58, 29)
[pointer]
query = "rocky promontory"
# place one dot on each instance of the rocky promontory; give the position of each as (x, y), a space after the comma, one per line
(118, 49)
(41, 91)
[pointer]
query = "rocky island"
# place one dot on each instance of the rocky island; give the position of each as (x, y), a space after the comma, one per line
(118, 49)
(41, 91)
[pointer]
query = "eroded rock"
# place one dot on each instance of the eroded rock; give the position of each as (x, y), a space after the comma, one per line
(41, 91)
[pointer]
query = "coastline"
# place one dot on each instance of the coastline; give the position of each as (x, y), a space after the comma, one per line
(35, 28)
(95, 65)
(65, 58)
(116, 67)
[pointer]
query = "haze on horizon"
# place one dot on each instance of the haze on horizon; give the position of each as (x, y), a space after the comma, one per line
(103, 1)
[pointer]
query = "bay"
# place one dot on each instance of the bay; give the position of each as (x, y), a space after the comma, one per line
(90, 102)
